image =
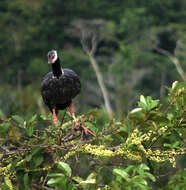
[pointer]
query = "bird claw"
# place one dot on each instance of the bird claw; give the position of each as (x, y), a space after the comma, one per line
(85, 129)
(55, 120)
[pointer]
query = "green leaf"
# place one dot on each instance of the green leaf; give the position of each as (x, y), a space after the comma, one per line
(77, 179)
(43, 117)
(174, 85)
(33, 118)
(154, 104)
(8, 182)
(56, 175)
(144, 167)
(136, 110)
(140, 186)
(176, 144)
(53, 181)
(142, 99)
(4, 127)
(38, 160)
(65, 167)
(26, 181)
(130, 168)
(35, 150)
(150, 176)
(19, 120)
(170, 116)
(148, 103)
(149, 100)
(90, 181)
(92, 176)
(30, 131)
(143, 182)
(1, 114)
(166, 145)
(121, 173)
(144, 106)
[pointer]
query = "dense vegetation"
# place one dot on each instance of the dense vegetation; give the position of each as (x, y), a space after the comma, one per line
(137, 152)
(138, 47)
(130, 36)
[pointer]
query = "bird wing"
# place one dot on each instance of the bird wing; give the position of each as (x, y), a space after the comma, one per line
(60, 91)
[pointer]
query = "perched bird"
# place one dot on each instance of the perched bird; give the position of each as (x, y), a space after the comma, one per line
(59, 87)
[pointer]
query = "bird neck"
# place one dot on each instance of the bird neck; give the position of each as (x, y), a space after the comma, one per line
(56, 68)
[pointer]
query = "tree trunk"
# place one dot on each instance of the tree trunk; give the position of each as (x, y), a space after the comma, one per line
(101, 84)
(163, 82)
(175, 61)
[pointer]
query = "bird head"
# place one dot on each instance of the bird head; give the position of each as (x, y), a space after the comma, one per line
(52, 56)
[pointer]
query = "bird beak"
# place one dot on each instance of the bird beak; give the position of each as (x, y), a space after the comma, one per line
(50, 61)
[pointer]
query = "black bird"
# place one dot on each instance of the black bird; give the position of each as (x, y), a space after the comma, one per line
(59, 87)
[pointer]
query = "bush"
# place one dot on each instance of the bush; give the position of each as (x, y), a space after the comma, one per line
(138, 152)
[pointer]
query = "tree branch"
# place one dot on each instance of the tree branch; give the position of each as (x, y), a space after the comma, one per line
(101, 84)
(174, 60)
(83, 43)
(94, 44)
(90, 52)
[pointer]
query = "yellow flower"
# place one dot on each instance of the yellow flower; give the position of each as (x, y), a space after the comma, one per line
(8, 182)
(20, 162)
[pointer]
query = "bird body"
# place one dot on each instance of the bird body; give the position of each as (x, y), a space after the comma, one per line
(58, 92)
(59, 87)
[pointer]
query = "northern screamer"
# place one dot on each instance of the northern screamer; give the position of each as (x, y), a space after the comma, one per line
(59, 87)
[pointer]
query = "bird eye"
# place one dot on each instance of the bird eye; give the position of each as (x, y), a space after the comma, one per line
(49, 55)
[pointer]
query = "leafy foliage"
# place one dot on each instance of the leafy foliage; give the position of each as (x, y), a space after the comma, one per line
(126, 53)
(153, 134)
(132, 177)
(177, 181)
(125, 154)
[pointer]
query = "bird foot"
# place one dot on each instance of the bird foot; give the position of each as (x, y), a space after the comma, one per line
(85, 129)
(55, 120)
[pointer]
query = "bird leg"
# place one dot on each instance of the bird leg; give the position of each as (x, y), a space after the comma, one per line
(54, 116)
(77, 124)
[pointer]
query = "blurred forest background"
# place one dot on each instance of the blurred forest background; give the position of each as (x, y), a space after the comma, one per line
(122, 50)
(138, 46)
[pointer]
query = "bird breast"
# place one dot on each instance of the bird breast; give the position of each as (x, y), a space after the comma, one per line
(60, 90)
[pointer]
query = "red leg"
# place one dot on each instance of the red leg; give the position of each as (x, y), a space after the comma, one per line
(54, 117)
(77, 124)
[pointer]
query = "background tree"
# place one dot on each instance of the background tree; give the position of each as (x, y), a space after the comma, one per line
(130, 35)
(89, 33)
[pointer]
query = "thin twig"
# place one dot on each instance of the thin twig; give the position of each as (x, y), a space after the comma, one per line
(174, 60)
(94, 44)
